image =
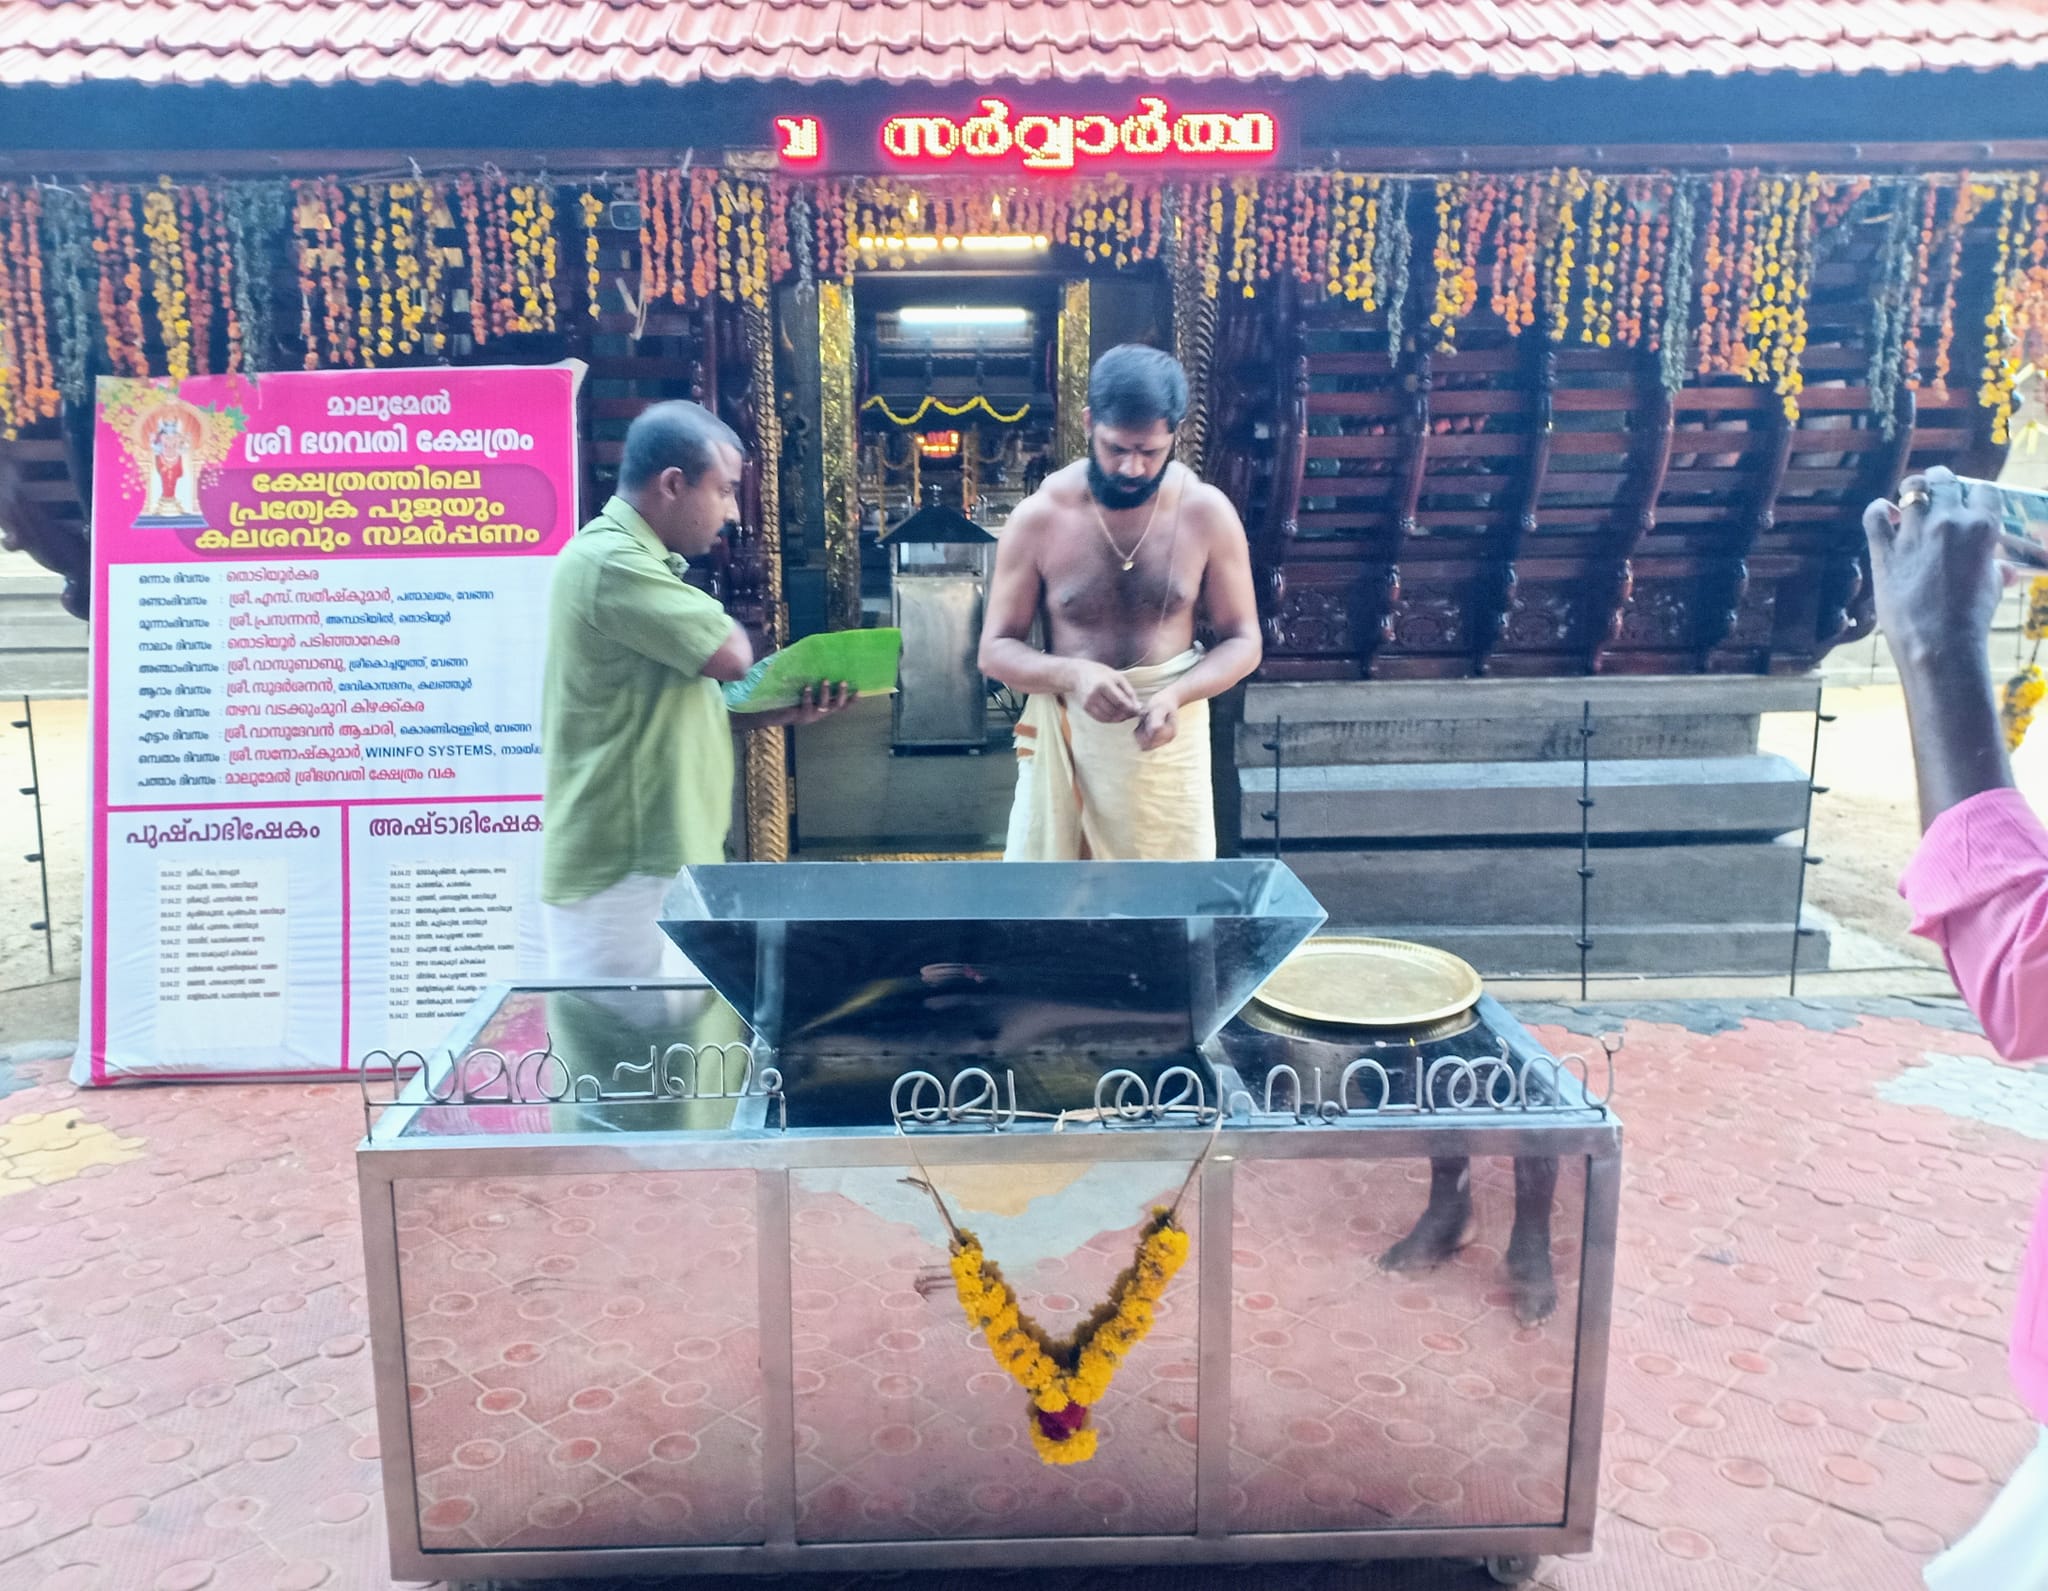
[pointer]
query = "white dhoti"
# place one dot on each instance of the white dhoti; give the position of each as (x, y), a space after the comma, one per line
(615, 933)
(1085, 792)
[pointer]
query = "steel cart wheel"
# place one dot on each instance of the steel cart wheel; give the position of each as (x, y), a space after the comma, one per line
(1513, 1569)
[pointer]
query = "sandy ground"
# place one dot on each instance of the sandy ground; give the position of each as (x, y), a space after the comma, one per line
(1867, 824)
(1865, 827)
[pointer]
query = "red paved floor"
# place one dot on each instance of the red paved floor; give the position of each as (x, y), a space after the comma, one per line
(1807, 1385)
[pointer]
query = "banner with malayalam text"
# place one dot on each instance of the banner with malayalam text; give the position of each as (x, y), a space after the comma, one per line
(319, 607)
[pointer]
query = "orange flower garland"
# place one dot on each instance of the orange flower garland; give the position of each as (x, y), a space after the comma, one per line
(167, 277)
(24, 317)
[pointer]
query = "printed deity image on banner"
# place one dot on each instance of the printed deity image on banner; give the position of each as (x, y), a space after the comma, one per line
(172, 447)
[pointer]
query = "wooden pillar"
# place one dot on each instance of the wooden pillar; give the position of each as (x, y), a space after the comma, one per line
(839, 445)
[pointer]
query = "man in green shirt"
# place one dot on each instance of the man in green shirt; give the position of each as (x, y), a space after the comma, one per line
(636, 746)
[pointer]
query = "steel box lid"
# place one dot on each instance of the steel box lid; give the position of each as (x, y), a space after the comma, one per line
(1124, 959)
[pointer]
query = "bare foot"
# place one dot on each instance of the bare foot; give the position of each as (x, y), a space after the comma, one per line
(1446, 1227)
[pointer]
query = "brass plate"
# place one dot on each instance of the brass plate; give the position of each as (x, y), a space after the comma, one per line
(1345, 980)
(1349, 1038)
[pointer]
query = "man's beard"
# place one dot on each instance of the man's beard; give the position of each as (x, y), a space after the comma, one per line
(1114, 492)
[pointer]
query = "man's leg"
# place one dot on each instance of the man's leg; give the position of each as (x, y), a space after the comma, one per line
(1530, 1277)
(1445, 1225)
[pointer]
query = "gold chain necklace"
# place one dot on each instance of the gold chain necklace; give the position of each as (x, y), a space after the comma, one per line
(1151, 519)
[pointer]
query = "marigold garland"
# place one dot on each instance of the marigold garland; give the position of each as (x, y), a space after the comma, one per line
(24, 316)
(1067, 1379)
(1969, 199)
(1599, 260)
(167, 277)
(194, 206)
(2018, 703)
(593, 212)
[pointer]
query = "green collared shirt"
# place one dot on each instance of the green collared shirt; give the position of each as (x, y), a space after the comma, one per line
(635, 743)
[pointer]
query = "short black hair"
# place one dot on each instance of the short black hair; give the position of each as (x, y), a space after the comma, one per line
(677, 435)
(1131, 386)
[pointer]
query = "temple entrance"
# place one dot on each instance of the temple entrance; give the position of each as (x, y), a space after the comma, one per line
(969, 375)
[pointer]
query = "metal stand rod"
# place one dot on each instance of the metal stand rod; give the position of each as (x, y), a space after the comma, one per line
(1807, 860)
(1586, 805)
(40, 856)
(1274, 746)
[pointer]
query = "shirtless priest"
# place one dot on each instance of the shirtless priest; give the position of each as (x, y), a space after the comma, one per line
(1122, 552)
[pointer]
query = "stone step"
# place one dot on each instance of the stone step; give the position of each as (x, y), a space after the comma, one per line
(1484, 720)
(1664, 950)
(1680, 886)
(1763, 794)
(44, 651)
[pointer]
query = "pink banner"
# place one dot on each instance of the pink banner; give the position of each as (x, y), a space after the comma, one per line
(318, 599)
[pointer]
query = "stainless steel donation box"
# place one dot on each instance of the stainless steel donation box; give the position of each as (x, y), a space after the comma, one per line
(661, 1276)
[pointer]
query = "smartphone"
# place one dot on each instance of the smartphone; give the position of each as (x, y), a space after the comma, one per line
(2023, 510)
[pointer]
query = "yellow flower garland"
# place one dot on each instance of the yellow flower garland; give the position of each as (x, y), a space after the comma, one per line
(1067, 1379)
(950, 410)
(2036, 623)
(2023, 693)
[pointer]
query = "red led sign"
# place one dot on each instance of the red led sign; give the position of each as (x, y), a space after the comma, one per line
(997, 135)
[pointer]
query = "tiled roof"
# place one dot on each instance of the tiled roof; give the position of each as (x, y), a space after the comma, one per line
(978, 41)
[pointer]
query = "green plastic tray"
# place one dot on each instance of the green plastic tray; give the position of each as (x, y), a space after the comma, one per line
(863, 659)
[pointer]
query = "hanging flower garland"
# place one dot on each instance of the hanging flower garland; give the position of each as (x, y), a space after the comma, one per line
(781, 257)
(2022, 695)
(804, 245)
(220, 271)
(1067, 1379)
(704, 255)
(167, 277)
(195, 224)
(1674, 289)
(71, 271)
(326, 319)
(1969, 200)
(592, 210)
(1892, 295)
(32, 392)
(2019, 702)
(256, 216)
(1351, 272)
(1392, 263)
(2014, 329)
(407, 312)
(1460, 230)
(1516, 282)
(372, 271)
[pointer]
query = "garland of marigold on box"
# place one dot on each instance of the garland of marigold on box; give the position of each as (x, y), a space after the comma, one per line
(1066, 1378)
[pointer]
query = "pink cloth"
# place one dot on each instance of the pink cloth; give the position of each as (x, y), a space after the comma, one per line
(1979, 889)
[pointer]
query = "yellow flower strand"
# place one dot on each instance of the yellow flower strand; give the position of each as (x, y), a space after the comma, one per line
(2023, 693)
(1079, 1370)
(950, 410)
